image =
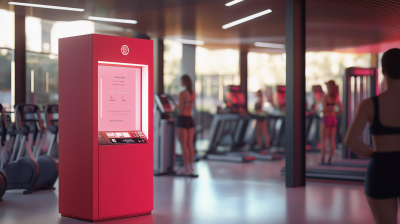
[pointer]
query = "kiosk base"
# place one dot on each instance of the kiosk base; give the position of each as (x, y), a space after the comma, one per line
(108, 218)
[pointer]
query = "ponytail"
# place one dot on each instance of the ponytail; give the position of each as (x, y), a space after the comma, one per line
(188, 83)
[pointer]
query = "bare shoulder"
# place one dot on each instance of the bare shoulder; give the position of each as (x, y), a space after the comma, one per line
(366, 104)
(181, 95)
(366, 107)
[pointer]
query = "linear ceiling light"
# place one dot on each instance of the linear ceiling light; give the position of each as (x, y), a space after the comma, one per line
(233, 2)
(46, 6)
(245, 19)
(194, 42)
(269, 45)
(113, 20)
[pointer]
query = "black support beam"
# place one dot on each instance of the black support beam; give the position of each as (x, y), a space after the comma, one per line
(295, 93)
(20, 55)
(243, 73)
(158, 65)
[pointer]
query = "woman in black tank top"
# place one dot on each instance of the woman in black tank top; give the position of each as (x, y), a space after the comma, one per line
(382, 182)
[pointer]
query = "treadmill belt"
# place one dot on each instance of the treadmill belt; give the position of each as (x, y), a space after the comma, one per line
(230, 158)
(334, 172)
(352, 162)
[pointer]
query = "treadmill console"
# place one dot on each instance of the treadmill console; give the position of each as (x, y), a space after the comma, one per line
(119, 105)
(163, 103)
(281, 91)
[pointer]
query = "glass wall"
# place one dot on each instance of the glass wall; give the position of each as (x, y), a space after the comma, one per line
(215, 70)
(270, 70)
(6, 57)
(7, 29)
(42, 78)
(172, 67)
(42, 56)
(42, 53)
(6, 60)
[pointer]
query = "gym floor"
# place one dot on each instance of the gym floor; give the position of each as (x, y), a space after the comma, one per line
(224, 193)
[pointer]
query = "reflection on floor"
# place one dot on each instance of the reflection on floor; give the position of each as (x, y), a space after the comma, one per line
(224, 193)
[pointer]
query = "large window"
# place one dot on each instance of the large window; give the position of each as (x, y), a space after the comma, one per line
(41, 78)
(270, 70)
(6, 60)
(172, 67)
(42, 53)
(6, 57)
(215, 70)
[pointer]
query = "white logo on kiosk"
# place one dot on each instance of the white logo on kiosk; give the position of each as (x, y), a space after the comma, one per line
(125, 50)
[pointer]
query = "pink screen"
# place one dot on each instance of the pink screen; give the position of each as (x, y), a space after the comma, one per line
(119, 98)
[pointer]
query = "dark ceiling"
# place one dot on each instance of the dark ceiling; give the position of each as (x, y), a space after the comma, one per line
(341, 25)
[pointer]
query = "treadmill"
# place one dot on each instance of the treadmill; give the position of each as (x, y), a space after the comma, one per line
(221, 134)
(249, 139)
(352, 167)
(313, 121)
(226, 129)
(276, 122)
(51, 133)
(333, 172)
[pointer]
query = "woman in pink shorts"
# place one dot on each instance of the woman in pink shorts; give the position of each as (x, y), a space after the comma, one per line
(329, 121)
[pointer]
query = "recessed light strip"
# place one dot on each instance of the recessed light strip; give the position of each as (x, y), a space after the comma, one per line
(233, 2)
(269, 45)
(245, 19)
(46, 6)
(112, 20)
(194, 42)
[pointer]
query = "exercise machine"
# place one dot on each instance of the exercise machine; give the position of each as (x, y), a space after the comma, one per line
(313, 120)
(51, 135)
(250, 138)
(359, 84)
(3, 134)
(227, 129)
(29, 115)
(21, 172)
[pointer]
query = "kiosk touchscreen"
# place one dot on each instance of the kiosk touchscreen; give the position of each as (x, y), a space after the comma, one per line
(105, 127)
(119, 107)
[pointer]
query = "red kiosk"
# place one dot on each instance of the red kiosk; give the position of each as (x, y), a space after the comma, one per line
(106, 127)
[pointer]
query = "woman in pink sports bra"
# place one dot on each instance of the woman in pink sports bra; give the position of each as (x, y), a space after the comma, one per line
(329, 121)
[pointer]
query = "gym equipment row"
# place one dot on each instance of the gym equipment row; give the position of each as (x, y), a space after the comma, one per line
(27, 147)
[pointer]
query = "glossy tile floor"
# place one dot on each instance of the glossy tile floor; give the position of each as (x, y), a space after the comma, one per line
(224, 193)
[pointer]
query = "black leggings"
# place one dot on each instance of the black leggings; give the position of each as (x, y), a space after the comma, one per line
(185, 122)
(383, 175)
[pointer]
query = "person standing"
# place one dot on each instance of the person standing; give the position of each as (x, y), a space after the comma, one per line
(185, 124)
(329, 121)
(382, 182)
(261, 128)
